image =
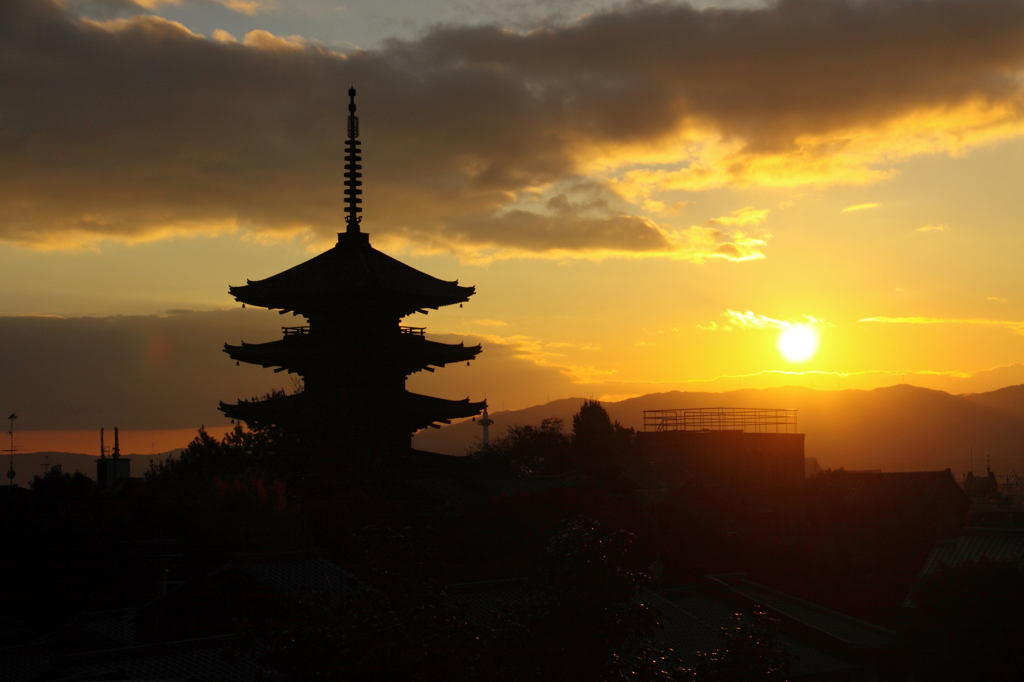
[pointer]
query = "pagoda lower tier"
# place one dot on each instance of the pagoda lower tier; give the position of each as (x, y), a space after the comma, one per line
(351, 415)
(303, 353)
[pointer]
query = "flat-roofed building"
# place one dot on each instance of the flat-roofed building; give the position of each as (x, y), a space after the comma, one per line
(755, 455)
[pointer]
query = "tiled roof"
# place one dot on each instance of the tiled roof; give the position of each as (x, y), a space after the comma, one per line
(847, 630)
(212, 658)
(11, 628)
(847, 487)
(351, 267)
(301, 574)
(973, 544)
(690, 622)
(26, 662)
(694, 622)
(482, 602)
(117, 625)
(102, 629)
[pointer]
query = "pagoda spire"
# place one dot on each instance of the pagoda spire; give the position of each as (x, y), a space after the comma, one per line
(352, 168)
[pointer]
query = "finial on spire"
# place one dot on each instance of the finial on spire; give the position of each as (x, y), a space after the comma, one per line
(353, 120)
(352, 168)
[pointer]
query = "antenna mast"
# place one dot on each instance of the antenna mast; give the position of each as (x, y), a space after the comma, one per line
(486, 423)
(11, 451)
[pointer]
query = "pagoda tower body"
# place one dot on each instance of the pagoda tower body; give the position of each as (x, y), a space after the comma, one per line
(354, 355)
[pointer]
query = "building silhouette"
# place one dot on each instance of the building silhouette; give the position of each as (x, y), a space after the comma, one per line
(110, 470)
(755, 455)
(353, 355)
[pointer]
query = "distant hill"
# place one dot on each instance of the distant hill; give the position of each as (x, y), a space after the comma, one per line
(898, 428)
(31, 464)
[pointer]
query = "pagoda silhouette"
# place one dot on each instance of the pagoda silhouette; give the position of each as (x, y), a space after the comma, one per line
(354, 355)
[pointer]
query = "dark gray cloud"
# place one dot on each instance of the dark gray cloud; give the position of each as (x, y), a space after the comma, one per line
(127, 127)
(169, 371)
(141, 372)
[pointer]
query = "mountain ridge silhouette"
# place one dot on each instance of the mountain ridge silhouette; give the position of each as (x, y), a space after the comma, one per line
(894, 428)
(28, 465)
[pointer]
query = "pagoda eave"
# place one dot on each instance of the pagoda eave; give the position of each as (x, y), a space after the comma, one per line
(310, 306)
(422, 411)
(267, 411)
(410, 410)
(352, 274)
(409, 352)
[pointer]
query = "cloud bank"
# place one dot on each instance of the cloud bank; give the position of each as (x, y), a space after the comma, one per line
(1013, 325)
(478, 139)
(168, 371)
(137, 372)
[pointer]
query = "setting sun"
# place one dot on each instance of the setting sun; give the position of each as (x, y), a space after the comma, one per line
(798, 343)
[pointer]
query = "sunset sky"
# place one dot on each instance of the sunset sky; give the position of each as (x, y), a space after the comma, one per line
(644, 194)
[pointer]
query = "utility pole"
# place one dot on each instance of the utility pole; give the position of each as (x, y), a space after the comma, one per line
(10, 451)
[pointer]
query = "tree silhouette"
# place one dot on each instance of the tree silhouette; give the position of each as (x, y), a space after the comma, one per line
(752, 652)
(58, 483)
(585, 617)
(224, 496)
(598, 444)
(403, 628)
(528, 449)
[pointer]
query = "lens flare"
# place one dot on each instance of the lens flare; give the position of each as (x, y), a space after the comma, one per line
(798, 343)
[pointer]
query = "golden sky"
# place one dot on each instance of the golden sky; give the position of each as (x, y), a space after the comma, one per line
(645, 195)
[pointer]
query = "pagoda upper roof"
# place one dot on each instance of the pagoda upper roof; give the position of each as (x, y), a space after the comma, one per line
(351, 273)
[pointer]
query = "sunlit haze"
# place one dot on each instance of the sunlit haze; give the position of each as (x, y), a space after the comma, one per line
(690, 210)
(798, 343)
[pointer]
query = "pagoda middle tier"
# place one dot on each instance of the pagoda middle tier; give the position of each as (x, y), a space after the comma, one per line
(302, 352)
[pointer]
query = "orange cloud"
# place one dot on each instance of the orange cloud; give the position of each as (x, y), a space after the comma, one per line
(486, 142)
(537, 353)
(247, 7)
(1016, 326)
(751, 320)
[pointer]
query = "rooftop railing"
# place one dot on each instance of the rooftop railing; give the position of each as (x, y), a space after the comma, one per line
(301, 331)
(746, 419)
